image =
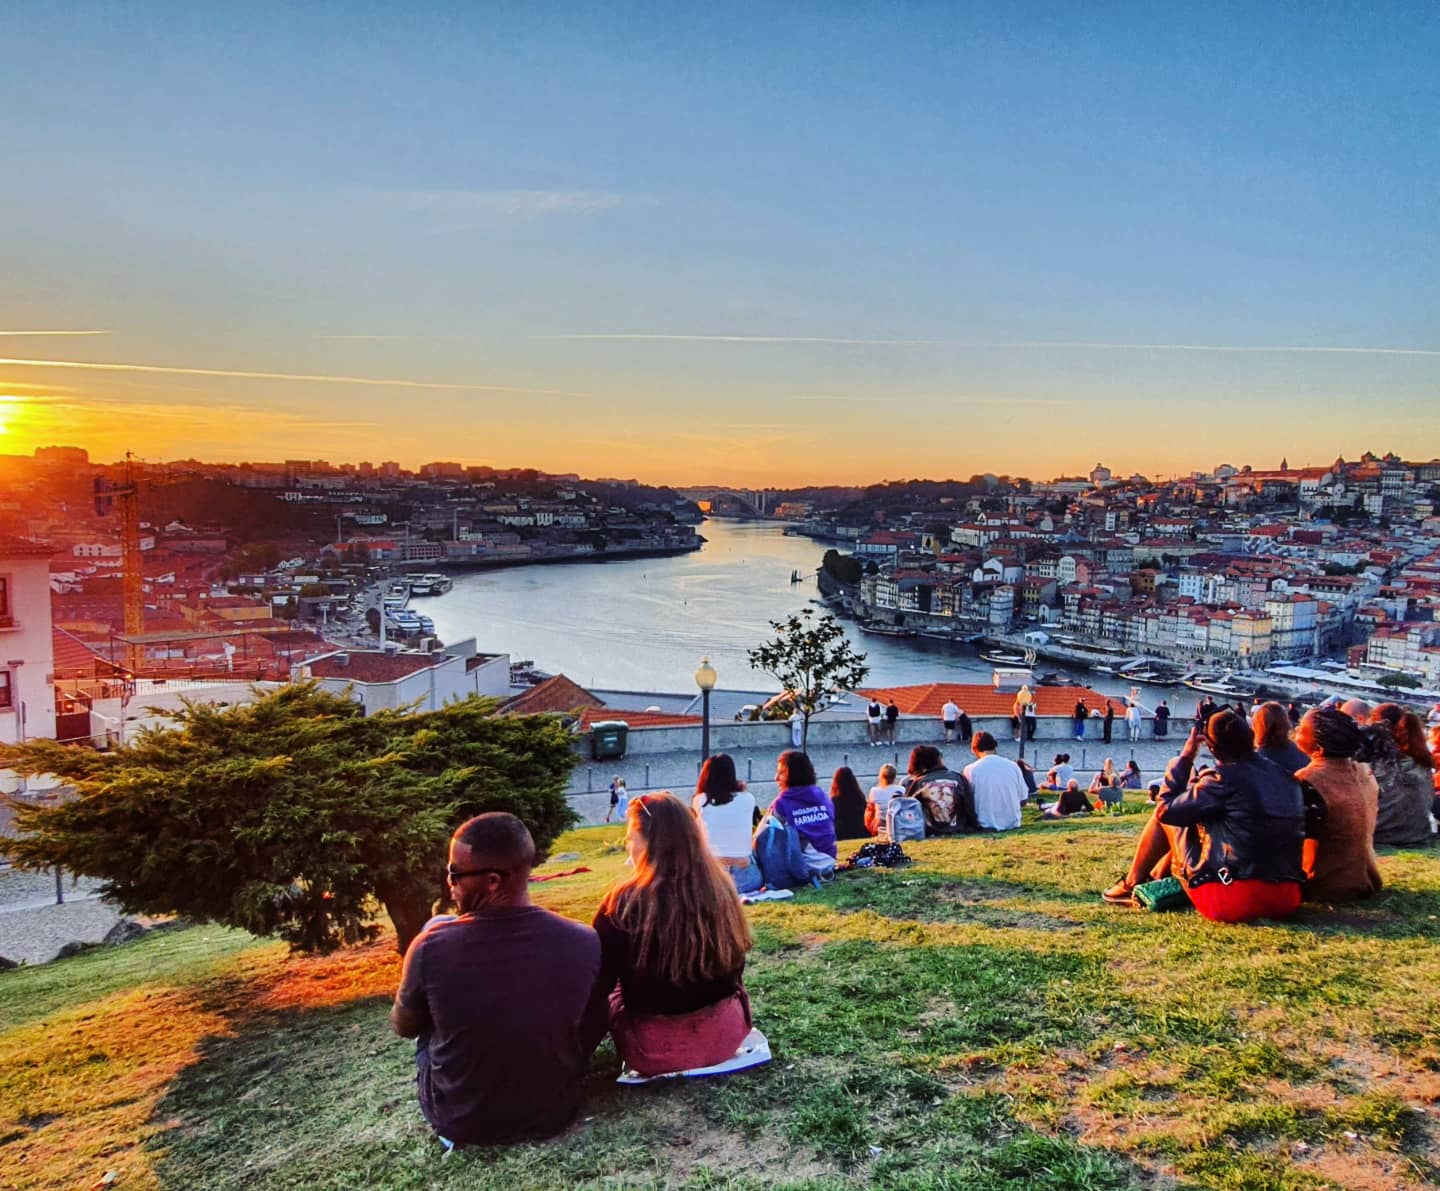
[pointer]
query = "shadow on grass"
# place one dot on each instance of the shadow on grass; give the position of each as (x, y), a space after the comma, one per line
(864, 1034)
(917, 895)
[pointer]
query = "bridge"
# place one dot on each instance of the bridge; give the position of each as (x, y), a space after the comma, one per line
(754, 501)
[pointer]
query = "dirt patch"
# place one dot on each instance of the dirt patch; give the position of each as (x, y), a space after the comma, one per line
(727, 1151)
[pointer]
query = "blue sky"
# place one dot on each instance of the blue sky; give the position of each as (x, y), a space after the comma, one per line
(869, 242)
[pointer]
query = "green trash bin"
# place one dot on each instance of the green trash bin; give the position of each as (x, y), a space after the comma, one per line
(607, 739)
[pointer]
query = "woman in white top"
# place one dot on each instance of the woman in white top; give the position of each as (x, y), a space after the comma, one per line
(726, 811)
(877, 805)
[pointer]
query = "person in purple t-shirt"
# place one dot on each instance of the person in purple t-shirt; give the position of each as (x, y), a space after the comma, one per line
(803, 805)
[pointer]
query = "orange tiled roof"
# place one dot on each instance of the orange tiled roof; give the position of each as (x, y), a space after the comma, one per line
(977, 699)
(558, 694)
(636, 719)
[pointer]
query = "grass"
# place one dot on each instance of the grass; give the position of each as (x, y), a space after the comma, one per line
(979, 1020)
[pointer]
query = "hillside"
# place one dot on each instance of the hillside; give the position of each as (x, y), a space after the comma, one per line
(978, 1020)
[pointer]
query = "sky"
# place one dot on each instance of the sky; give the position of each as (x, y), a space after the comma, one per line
(777, 245)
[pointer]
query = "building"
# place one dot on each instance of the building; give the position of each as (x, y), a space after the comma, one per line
(27, 658)
(387, 679)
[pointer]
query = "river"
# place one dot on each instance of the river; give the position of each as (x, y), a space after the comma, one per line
(644, 624)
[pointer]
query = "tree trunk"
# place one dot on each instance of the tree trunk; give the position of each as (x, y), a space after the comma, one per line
(409, 910)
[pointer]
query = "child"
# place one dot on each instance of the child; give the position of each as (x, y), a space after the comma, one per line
(619, 799)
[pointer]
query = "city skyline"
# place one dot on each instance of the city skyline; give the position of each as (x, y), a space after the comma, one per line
(778, 248)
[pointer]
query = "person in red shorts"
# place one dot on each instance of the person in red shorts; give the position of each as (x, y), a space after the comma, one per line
(1235, 835)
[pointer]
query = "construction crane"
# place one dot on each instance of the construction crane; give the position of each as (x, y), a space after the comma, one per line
(127, 496)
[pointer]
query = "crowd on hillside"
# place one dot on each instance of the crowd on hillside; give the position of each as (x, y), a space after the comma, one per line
(507, 1000)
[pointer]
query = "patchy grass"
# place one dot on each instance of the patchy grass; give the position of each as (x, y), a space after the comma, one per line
(978, 1020)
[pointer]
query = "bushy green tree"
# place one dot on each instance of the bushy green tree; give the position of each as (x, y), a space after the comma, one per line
(810, 657)
(292, 815)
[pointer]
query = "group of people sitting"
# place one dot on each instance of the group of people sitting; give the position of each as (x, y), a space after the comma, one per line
(1105, 792)
(1283, 816)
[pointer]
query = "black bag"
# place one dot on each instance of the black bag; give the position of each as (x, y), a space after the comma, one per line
(1315, 810)
(877, 855)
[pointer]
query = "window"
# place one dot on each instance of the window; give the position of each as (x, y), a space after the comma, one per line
(6, 700)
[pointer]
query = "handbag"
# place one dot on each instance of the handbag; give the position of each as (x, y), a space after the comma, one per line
(1168, 893)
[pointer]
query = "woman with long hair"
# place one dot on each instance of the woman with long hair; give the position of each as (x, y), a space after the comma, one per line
(849, 802)
(1405, 773)
(1132, 779)
(1272, 727)
(673, 941)
(726, 811)
(1339, 862)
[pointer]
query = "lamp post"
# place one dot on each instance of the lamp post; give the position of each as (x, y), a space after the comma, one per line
(1023, 699)
(705, 678)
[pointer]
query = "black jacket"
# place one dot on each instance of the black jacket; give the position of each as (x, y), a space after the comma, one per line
(947, 799)
(1243, 820)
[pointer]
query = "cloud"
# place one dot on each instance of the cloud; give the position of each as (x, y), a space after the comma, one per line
(507, 204)
(308, 378)
(55, 332)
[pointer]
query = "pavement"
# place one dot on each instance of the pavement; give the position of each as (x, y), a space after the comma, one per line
(589, 789)
(33, 927)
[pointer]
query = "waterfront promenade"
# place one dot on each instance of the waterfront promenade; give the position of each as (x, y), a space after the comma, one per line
(676, 769)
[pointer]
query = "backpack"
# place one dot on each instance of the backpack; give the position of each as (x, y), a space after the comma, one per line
(877, 855)
(904, 819)
(777, 852)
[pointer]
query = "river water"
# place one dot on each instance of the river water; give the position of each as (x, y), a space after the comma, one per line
(644, 624)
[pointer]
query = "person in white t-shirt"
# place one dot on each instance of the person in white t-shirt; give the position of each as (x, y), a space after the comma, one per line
(874, 718)
(998, 784)
(950, 719)
(877, 805)
(726, 811)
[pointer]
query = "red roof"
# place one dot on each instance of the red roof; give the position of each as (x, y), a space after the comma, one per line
(977, 699)
(23, 548)
(373, 666)
(636, 719)
(558, 694)
(72, 657)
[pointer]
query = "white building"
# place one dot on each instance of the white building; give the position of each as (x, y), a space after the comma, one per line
(390, 679)
(27, 651)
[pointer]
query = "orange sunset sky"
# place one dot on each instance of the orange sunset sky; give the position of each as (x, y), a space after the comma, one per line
(836, 245)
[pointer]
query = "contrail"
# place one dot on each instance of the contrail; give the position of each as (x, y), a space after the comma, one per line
(755, 339)
(95, 366)
(55, 332)
(1300, 349)
(1065, 345)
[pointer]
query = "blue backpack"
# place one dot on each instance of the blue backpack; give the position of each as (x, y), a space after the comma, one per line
(777, 852)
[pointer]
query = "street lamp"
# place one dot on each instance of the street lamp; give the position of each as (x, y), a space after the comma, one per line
(1023, 699)
(705, 678)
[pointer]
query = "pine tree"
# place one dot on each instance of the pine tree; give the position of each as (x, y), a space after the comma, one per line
(292, 815)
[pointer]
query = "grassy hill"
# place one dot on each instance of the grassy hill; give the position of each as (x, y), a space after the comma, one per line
(979, 1020)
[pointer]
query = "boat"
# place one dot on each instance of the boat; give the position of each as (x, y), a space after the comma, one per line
(938, 635)
(1226, 684)
(794, 576)
(1054, 679)
(1003, 657)
(429, 585)
(887, 630)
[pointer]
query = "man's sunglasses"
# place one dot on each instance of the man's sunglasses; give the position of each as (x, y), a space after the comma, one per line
(453, 874)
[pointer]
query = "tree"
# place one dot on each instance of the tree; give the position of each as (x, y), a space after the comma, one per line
(843, 568)
(810, 657)
(1399, 681)
(292, 815)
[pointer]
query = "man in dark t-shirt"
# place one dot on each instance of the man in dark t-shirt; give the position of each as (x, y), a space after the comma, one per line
(502, 997)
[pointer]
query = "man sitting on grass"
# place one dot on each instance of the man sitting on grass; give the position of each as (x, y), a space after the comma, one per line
(502, 997)
(998, 785)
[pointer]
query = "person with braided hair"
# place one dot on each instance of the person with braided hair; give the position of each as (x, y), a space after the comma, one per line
(1339, 862)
